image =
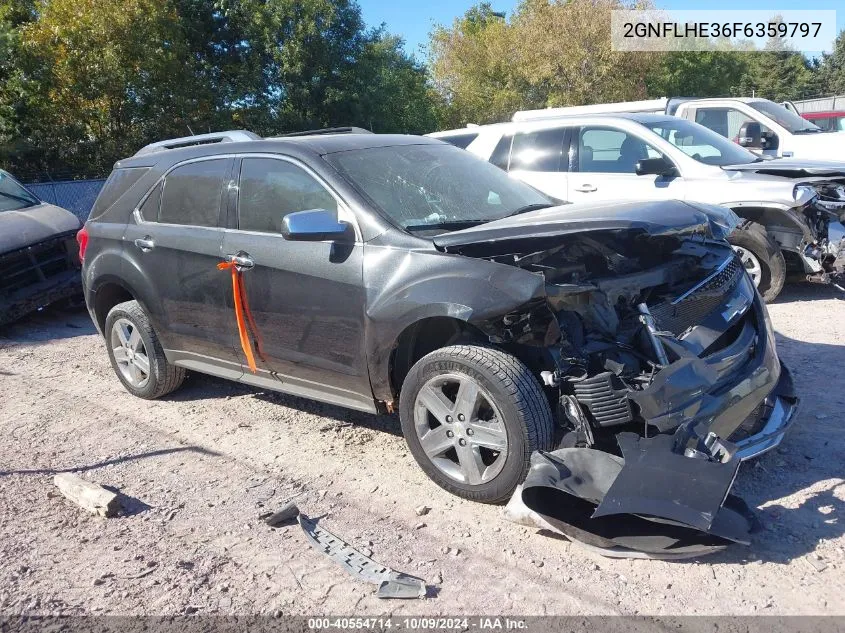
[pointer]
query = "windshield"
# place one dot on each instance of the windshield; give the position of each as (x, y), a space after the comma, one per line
(701, 143)
(428, 187)
(12, 194)
(785, 118)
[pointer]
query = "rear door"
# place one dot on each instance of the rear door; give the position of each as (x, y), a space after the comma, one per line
(306, 298)
(176, 241)
(604, 163)
(540, 158)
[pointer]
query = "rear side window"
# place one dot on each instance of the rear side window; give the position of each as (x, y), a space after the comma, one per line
(538, 151)
(192, 193)
(149, 209)
(460, 140)
(118, 183)
(269, 189)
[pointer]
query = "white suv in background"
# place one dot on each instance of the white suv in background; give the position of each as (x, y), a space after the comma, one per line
(787, 204)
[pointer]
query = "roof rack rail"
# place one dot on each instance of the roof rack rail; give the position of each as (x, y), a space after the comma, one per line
(230, 136)
(327, 130)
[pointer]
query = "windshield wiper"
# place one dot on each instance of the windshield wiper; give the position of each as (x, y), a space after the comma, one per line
(451, 225)
(26, 201)
(808, 130)
(528, 208)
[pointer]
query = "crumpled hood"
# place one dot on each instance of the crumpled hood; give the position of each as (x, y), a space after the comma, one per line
(34, 224)
(665, 217)
(793, 168)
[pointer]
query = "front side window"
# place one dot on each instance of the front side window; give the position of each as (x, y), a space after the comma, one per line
(192, 193)
(540, 150)
(13, 196)
(434, 186)
(269, 189)
(700, 143)
(610, 151)
(727, 122)
(792, 122)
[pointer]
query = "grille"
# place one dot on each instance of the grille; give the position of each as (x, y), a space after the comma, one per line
(698, 302)
(34, 264)
(753, 424)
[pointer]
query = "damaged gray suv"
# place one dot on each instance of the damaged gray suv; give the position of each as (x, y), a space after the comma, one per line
(622, 346)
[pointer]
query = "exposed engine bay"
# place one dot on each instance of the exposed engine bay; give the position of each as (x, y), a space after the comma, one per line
(658, 353)
(827, 207)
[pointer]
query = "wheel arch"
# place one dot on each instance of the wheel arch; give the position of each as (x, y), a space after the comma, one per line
(423, 337)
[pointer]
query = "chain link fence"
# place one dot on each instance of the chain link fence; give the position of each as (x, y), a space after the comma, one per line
(77, 196)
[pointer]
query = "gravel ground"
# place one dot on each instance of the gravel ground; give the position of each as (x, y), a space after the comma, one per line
(198, 468)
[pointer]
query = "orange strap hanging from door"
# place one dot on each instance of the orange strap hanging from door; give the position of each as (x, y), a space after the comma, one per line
(239, 312)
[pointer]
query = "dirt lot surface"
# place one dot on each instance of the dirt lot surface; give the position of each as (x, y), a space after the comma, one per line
(201, 465)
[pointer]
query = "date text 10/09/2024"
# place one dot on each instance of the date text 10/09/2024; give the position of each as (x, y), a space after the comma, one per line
(484, 623)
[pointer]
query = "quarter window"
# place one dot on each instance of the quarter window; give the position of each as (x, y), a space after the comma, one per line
(270, 189)
(192, 193)
(540, 150)
(609, 151)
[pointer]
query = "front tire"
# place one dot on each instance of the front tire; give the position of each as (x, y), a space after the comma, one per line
(472, 416)
(762, 258)
(136, 354)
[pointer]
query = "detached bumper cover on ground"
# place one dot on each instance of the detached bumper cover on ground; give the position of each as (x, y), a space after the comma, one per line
(655, 500)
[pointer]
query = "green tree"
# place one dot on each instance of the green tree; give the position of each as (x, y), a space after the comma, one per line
(550, 53)
(699, 74)
(831, 71)
(98, 78)
(92, 80)
(781, 75)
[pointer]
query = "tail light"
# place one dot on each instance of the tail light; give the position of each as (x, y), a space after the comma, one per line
(82, 238)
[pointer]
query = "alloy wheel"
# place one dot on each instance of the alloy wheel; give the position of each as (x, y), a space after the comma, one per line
(130, 354)
(460, 429)
(750, 263)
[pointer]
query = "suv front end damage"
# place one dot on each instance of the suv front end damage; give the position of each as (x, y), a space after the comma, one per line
(802, 228)
(661, 358)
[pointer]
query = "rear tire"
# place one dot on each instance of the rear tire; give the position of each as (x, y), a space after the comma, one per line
(762, 256)
(494, 409)
(136, 354)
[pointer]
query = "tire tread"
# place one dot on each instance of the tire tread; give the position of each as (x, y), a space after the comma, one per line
(167, 377)
(526, 394)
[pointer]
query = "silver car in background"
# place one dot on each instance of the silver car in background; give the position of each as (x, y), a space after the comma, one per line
(787, 204)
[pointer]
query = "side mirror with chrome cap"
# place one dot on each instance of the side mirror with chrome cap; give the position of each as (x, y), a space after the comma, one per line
(314, 225)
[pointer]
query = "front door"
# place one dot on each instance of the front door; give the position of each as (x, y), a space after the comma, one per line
(176, 240)
(306, 299)
(604, 169)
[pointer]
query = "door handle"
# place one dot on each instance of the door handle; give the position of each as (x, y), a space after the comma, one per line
(146, 244)
(586, 188)
(241, 261)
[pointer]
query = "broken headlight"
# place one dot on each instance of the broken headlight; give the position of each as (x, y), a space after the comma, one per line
(802, 194)
(723, 224)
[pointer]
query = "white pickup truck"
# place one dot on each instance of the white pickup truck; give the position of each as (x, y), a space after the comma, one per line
(762, 126)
